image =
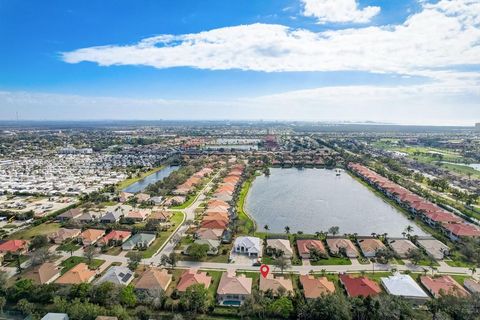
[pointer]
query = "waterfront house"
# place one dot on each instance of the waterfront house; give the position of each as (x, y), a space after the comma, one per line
(125, 196)
(216, 203)
(403, 285)
(64, 234)
(305, 246)
(192, 277)
(456, 231)
(359, 286)
(117, 275)
(14, 246)
(336, 245)
(316, 287)
(44, 273)
(207, 233)
(436, 249)
(402, 247)
(139, 241)
(78, 274)
(90, 236)
(443, 285)
(114, 238)
(142, 197)
(154, 279)
(252, 246)
(276, 284)
(233, 290)
(370, 247)
(214, 224)
(280, 245)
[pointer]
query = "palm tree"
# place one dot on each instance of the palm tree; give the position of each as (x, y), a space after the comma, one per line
(334, 230)
(409, 230)
(374, 235)
(287, 229)
(473, 270)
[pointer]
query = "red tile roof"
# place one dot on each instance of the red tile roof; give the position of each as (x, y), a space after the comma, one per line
(13, 246)
(359, 286)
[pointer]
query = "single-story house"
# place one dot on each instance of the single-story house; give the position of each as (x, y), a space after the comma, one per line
(55, 316)
(142, 197)
(90, 236)
(112, 216)
(154, 279)
(207, 233)
(436, 249)
(213, 245)
(139, 241)
(14, 246)
(191, 277)
(282, 245)
(156, 200)
(70, 214)
(64, 234)
(173, 201)
(276, 284)
(443, 285)
(304, 247)
(138, 215)
(252, 246)
(160, 216)
(472, 285)
(359, 286)
(402, 247)
(370, 247)
(78, 274)
(315, 287)
(118, 275)
(335, 245)
(44, 273)
(403, 285)
(125, 196)
(115, 237)
(233, 290)
(214, 224)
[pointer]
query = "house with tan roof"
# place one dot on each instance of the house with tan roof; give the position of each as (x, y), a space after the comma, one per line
(173, 201)
(138, 215)
(90, 236)
(64, 234)
(78, 274)
(44, 273)
(154, 279)
(316, 287)
(436, 249)
(280, 245)
(216, 203)
(233, 290)
(276, 284)
(142, 197)
(337, 245)
(70, 214)
(402, 247)
(370, 247)
(191, 277)
(214, 224)
(209, 234)
(160, 216)
(14, 246)
(114, 238)
(304, 247)
(443, 285)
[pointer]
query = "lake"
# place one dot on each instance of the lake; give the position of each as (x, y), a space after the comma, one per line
(312, 200)
(154, 177)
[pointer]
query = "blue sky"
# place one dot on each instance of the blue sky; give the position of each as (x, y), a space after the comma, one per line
(327, 60)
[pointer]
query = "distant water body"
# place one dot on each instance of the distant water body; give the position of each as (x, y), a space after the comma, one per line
(148, 180)
(312, 200)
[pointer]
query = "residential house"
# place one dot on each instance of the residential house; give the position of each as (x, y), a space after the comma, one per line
(359, 286)
(160, 216)
(90, 236)
(472, 285)
(443, 285)
(252, 246)
(44, 273)
(87, 217)
(114, 238)
(402, 247)
(138, 215)
(214, 224)
(125, 196)
(207, 233)
(64, 234)
(14, 246)
(142, 197)
(78, 274)
(192, 277)
(156, 200)
(316, 287)
(139, 241)
(70, 214)
(402, 285)
(213, 245)
(370, 247)
(154, 279)
(233, 290)
(436, 249)
(304, 247)
(455, 231)
(280, 245)
(118, 275)
(337, 245)
(174, 201)
(112, 216)
(276, 284)
(55, 316)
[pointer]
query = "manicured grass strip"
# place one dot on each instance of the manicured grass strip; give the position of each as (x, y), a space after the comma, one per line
(248, 225)
(68, 247)
(73, 261)
(42, 229)
(332, 261)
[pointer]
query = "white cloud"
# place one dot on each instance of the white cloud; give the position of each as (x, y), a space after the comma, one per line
(338, 11)
(440, 36)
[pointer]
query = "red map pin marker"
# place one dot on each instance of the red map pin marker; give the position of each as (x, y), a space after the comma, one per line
(264, 270)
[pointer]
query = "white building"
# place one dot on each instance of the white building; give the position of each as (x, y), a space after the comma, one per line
(251, 246)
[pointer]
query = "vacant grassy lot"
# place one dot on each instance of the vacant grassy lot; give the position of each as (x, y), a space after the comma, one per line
(42, 229)
(331, 261)
(73, 261)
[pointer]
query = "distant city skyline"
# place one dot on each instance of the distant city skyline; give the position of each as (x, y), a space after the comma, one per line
(401, 62)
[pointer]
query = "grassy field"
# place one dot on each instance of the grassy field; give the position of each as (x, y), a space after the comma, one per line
(125, 183)
(42, 229)
(331, 261)
(68, 247)
(73, 261)
(246, 225)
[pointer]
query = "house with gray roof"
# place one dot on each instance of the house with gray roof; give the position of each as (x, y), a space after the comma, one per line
(139, 241)
(112, 216)
(213, 245)
(118, 275)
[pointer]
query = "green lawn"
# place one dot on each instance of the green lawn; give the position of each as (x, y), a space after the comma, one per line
(459, 263)
(246, 224)
(375, 276)
(187, 203)
(331, 261)
(42, 229)
(73, 261)
(13, 263)
(68, 247)
(216, 275)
